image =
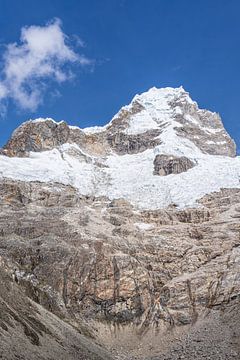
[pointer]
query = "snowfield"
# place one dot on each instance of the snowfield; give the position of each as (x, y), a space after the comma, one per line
(131, 176)
(128, 176)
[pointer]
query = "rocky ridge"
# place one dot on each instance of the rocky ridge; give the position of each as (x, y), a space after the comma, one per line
(82, 242)
(135, 128)
(117, 160)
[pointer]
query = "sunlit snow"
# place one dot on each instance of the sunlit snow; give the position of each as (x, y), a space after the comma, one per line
(131, 176)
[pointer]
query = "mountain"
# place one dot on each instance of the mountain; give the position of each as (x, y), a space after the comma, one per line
(160, 129)
(126, 233)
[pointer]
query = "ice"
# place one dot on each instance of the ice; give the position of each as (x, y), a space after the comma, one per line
(130, 176)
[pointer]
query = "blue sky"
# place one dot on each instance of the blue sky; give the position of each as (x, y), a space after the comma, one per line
(129, 46)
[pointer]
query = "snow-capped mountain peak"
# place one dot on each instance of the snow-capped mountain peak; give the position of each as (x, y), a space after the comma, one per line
(159, 150)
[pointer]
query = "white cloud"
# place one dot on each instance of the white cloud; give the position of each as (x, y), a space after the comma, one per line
(43, 54)
(3, 91)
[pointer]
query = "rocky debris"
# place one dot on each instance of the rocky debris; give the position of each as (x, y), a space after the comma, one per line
(89, 262)
(168, 164)
(216, 337)
(28, 331)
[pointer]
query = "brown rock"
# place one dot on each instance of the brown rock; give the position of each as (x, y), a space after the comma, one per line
(169, 164)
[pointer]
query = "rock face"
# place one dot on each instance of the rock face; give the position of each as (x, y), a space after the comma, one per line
(28, 331)
(134, 129)
(141, 271)
(202, 127)
(167, 164)
(37, 136)
(97, 251)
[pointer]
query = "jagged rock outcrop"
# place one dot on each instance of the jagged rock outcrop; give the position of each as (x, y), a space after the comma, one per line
(37, 136)
(122, 143)
(127, 133)
(204, 128)
(167, 164)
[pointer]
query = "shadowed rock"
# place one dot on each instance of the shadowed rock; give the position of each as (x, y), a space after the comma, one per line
(169, 164)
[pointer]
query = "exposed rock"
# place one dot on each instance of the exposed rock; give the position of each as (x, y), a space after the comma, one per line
(216, 337)
(168, 164)
(36, 136)
(202, 127)
(133, 144)
(96, 249)
(28, 331)
(95, 266)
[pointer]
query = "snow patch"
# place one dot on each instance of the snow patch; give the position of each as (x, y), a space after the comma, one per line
(144, 226)
(140, 123)
(46, 119)
(94, 129)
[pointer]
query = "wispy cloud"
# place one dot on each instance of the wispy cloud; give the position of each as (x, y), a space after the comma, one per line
(43, 54)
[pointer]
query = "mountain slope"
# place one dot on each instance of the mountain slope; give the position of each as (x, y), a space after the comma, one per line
(127, 233)
(28, 331)
(117, 160)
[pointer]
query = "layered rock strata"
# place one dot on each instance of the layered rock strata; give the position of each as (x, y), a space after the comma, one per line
(121, 241)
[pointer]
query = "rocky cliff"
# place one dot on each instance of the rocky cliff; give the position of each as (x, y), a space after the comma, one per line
(125, 236)
(152, 118)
